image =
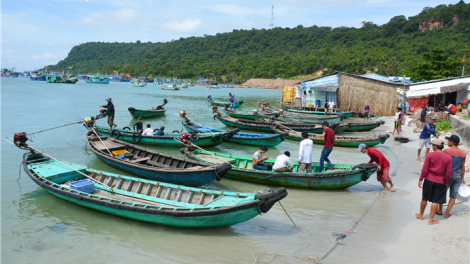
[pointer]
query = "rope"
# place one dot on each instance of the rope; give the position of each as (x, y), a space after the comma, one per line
(192, 121)
(94, 131)
(287, 213)
(55, 127)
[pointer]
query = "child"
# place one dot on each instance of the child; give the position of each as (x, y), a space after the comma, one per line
(397, 120)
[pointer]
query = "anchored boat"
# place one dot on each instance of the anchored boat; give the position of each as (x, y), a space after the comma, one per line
(342, 177)
(266, 125)
(135, 113)
(145, 200)
(346, 114)
(140, 84)
(249, 116)
(97, 79)
(170, 87)
(220, 103)
(341, 141)
(62, 79)
(199, 139)
(241, 138)
(152, 164)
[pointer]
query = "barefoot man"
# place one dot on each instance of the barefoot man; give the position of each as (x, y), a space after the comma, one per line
(384, 166)
(425, 137)
(437, 170)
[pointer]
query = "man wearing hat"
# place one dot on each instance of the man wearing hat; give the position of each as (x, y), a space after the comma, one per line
(110, 113)
(458, 171)
(139, 125)
(160, 131)
(437, 170)
(384, 166)
(425, 137)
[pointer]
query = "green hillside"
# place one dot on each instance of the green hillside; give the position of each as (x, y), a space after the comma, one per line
(236, 56)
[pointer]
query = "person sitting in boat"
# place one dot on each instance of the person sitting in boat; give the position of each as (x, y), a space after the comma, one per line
(160, 107)
(139, 125)
(148, 131)
(160, 131)
(258, 160)
(281, 163)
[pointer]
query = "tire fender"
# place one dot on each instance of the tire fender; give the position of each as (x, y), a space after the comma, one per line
(115, 132)
(136, 137)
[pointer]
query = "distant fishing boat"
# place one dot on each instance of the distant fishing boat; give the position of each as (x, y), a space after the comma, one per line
(145, 113)
(145, 79)
(97, 79)
(38, 77)
(220, 103)
(146, 200)
(8, 73)
(184, 85)
(170, 87)
(139, 84)
(227, 86)
(62, 79)
(82, 77)
(346, 114)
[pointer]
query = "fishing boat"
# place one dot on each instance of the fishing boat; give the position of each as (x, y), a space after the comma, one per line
(241, 138)
(359, 127)
(135, 113)
(139, 84)
(145, 200)
(152, 164)
(227, 86)
(346, 114)
(82, 77)
(199, 139)
(170, 87)
(249, 116)
(144, 79)
(38, 77)
(266, 125)
(283, 115)
(213, 87)
(97, 79)
(184, 86)
(340, 141)
(62, 79)
(343, 175)
(220, 103)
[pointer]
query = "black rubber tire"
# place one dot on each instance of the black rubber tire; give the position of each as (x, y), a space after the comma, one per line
(117, 132)
(270, 195)
(194, 136)
(138, 135)
(227, 137)
(127, 128)
(155, 130)
(216, 138)
(175, 131)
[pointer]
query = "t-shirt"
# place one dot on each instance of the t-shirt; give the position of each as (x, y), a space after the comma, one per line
(437, 167)
(458, 157)
(258, 155)
(232, 99)
(329, 138)
(452, 108)
(377, 157)
(331, 104)
(397, 116)
(305, 150)
(367, 109)
(159, 133)
(147, 132)
(282, 161)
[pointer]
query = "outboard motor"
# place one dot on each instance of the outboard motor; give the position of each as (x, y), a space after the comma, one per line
(215, 109)
(184, 138)
(89, 121)
(103, 113)
(19, 139)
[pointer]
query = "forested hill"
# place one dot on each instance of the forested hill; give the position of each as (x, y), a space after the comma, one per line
(285, 52)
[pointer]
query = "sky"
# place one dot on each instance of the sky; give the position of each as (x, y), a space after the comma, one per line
(36, 33)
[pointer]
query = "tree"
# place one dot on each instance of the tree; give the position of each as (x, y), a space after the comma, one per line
(437, 65)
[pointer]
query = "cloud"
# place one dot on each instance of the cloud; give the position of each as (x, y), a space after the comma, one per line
(124, 15)
(186, 26)
(22, 15)
(234, 10)
(47, 56)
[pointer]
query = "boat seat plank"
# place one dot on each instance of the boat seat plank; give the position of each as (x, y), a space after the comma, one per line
(140, 160)
(109, 144)
(215, 159)
(126, 198)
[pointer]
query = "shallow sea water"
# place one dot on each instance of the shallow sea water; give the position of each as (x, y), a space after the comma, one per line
(39, 228)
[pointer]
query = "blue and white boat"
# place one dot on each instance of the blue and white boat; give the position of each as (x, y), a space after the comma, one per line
(97, 79)
(38, 77)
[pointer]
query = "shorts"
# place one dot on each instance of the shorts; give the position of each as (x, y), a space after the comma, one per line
(330, 109)
(232, 104)
(424, 142)
(434, 192)
(383, 174)
(397, 124)
(367, 114)
(305, 167)
(454, 184)
(110, 121)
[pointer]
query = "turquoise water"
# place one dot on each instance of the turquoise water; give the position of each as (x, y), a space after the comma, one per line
(39, 228)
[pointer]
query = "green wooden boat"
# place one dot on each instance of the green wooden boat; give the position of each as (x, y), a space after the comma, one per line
(249, 116)
(342, 177)
(266, 125)
(171, 87)
(199, 139)
(220, 103)
(144, 200)
(140, 84)
(359, 127)
(340, 141)
(135, 113)
(346, 114)
(62, 79)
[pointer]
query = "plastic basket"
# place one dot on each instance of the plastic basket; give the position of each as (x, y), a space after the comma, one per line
(119, 152)
(83, 186)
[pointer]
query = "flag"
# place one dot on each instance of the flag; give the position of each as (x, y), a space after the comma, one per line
(463, 58)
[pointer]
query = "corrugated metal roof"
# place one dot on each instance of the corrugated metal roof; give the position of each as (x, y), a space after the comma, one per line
(439, 83)
(376, 76)
(328, 83)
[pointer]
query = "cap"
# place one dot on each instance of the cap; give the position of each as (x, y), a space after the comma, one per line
(140, 118)
(437, 142)
(454, 139)
(433, 118)
(162, 127)
(109, 99)
(361, 146)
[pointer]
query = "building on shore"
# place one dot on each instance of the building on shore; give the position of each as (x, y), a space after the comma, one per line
(446, 91)
(351, 92)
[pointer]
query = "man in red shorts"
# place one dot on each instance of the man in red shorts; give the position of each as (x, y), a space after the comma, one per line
(384, 166)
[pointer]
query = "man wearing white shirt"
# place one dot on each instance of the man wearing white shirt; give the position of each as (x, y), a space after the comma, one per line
(148, 131)
(281, 163)
(331, 104)
(305, 153)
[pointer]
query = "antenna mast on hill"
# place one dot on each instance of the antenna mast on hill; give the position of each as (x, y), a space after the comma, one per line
(272, 18)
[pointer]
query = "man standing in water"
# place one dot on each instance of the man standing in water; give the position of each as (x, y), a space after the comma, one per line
(329, 141)
(425, 137)
(366, 112)
(384, 166)
(437, 170)
(458, 171)
(110, 113)
(232, 103)
(331, 104)
(305, 154)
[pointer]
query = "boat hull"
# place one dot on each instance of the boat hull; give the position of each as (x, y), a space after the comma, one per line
(135, 113)
(97, 82)
(358, 127)
(219, 103)
(346, 114)
(251, 117)
(43, 78)
(267, 127)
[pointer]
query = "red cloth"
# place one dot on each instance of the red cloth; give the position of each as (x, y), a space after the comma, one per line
(437, 167)
(377, 157)
(453, 109)
(329, 138)
(382, 174)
